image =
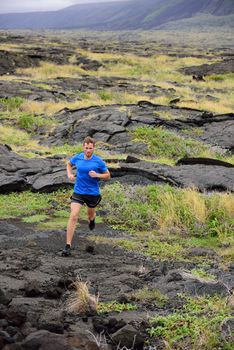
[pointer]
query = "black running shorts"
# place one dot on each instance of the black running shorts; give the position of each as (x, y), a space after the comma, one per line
(90, 201)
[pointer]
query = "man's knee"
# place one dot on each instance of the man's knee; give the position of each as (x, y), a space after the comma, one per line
(74, 217)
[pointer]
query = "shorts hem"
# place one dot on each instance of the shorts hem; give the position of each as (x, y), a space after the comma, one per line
(86, 199)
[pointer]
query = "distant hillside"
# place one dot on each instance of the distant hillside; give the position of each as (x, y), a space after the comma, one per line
(132, 14)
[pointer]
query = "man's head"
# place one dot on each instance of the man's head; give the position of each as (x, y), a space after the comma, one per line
(88, 147)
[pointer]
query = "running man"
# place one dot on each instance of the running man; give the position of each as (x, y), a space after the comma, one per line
(89, 170)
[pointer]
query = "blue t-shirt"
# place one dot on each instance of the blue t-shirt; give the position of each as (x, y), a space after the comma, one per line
(86, 184)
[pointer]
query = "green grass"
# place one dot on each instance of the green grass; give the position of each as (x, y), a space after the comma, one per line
(166, 208)
(106, 307)
(153, 296)
(203, 274)
(53, 223)
(67, 149)
(14, 137)
(22, 204)
(196, 326)
(164, 221)
(47, 210)
(12, 103)
(165, 143)
(35, 218)
(31, 122)
(105, 95)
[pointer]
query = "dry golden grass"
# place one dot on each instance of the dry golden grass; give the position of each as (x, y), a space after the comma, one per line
(161, 100)
(167, 216)
(7, 77)
(180, 211)
(160, 69)
(10, 47)
(20, 141)
(81, 301)
(16, 138)
(195, 203)
(219, 81)
(206, 105)
(99, 56)
(48, 70)
(225, 204)
(227, 254)
(215, 84)
(48, 107)
(93, 99)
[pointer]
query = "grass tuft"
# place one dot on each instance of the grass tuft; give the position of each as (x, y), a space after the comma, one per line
(81, 301)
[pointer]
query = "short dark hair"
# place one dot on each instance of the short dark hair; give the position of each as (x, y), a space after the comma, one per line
(88, 140)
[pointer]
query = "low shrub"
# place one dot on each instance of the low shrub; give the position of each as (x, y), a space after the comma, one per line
(196, 326)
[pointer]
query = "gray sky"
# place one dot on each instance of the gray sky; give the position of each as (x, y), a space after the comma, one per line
(7, 6)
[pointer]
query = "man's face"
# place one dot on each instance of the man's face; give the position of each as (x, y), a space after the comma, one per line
(88, 149)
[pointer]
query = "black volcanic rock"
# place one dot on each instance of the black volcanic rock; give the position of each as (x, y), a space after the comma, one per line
(226, 66)
(183, 282)
(205, 161)
(18, 173)
(112, 124)
(11, 60)
(46, 175)
(31, 92)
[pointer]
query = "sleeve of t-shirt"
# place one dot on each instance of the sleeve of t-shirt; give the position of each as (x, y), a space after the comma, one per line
(102, 166)
(73, 159)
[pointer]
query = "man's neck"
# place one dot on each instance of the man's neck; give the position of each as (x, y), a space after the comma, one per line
(87, 158)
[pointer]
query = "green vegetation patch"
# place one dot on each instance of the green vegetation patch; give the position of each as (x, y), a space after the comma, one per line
(163, 250)
(196, 326)
(14, 137)
(67, 149)
(105, 307)
(153, 296)
(153, 246)
(166, 209)
(54, 223)
(165, 221)
(105, 95)
(35, 218)
(49, 210)
(162, 142)
(12, 103)
(31, 122)
(23, 204)
(203, 274)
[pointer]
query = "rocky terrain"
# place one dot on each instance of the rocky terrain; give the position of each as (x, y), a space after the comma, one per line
(35, 280)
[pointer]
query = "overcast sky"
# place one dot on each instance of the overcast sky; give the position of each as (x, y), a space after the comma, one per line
(40, 5)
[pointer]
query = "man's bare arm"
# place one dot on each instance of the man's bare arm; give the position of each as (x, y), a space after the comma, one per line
(103, 176)
(70, 175)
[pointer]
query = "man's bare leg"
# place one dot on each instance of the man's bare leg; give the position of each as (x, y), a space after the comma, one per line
(71, 225)
(91, 213)
(91, 217)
